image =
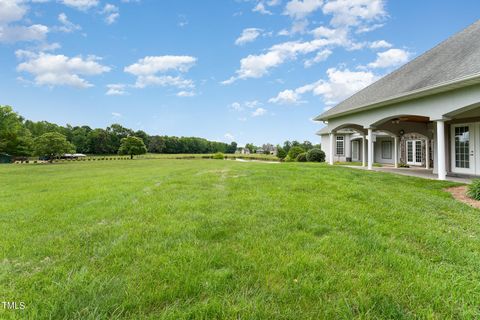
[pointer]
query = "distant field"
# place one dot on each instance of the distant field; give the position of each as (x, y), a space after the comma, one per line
(213, 239)
(166, 156)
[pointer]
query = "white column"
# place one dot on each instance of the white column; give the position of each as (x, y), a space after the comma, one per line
(370, 149)
(331, 148)
(442, 172)
(427, 154)
(364, 151)
(395, 151)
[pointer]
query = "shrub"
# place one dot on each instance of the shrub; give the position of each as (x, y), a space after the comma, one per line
(218, 156)
(294, 152)
(302, 157)
(474, 190)
(281, 153)
(288, 159)
(315, 155)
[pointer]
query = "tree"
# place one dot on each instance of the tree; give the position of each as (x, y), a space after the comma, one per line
(99, 142)
(251, 147)
(79, 138)
(294, 152)
(142, 135)
(52, 145)
(281, 154)
(15, 138)
(232, 147)
(287, 145)
(315, 155)
(306, 145)
(132, 146)
(116, 133)
(156, 144)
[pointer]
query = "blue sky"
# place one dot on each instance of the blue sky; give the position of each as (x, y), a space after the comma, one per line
(248, 70)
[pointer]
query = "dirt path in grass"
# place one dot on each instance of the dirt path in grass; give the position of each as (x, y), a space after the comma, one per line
(460, 194)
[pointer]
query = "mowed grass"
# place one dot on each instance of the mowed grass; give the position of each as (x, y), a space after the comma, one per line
(213, 239)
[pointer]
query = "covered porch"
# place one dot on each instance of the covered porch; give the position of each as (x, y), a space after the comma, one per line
(447, 148)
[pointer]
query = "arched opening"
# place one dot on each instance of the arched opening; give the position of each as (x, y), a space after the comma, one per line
(406, 141)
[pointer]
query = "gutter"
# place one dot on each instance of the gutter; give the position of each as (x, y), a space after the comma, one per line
(427, 91)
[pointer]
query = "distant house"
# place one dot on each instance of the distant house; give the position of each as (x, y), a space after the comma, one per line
(260, 151)
(269, 148)
(242, 150)
(425, 114)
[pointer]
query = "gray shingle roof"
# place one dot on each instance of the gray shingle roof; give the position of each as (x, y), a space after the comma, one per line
(455, 58)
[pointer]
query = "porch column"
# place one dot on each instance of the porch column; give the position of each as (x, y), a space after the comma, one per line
(395, 151)
(364, 151)
(427, 154)
(370, 149)
(442, 172)
(331, 148)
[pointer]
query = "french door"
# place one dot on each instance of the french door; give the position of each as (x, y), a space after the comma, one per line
(414, 152)
(355, 150)
(463, 139)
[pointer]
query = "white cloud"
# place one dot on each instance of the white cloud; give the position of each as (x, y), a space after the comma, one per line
(299, 9)
(236, 106)
(14, 11)
(260, 8)
(380, 44)
(67, 26)
(259, 112)
(116, 89)
(319, 57)
(245, 105)
(354, 12)
(56, 70)
(153, 64)
(186, 93)
(340, 85)
(146, 70)
(81, 4)
(11, 10)
(256, 66)
(286, 97)
(117, 115)
(111, 13)
(11, 34)
(163, 81)
(248, 35)
(390, 58)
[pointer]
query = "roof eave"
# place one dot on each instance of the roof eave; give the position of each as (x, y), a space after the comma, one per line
(442, 87)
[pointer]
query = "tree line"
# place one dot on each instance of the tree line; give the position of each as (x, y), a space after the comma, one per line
(18, 137)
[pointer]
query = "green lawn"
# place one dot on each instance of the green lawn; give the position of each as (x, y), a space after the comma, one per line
(213, 239)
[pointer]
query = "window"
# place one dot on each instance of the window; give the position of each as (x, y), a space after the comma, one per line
(340, 146)
(462, 147)
(386, 149)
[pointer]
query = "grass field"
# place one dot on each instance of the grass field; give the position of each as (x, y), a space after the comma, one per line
(213, 239)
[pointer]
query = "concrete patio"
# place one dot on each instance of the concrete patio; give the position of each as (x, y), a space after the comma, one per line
(415, 172)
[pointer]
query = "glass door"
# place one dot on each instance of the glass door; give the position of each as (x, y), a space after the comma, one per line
(355, 151)
(463, 154)
(414, 152)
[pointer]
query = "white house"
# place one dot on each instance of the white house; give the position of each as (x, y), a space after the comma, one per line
(426, 113)
(242, 150)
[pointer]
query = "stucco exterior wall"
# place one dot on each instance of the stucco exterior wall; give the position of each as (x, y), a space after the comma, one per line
(434, 107)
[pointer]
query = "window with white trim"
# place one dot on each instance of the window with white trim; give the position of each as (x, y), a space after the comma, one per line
(386, 149)
(340, 145)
